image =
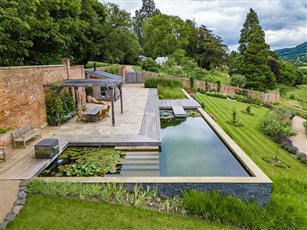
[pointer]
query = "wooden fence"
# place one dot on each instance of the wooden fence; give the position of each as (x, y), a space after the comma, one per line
(134, 77)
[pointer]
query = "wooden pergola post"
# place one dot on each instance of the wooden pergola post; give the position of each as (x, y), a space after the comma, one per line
(121, 98)
(112, 103)
(76, 96)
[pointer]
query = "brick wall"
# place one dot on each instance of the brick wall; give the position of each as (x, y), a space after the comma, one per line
(229, 90)
(23, 95)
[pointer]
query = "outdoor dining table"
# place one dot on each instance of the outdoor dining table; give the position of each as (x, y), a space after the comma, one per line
(92, 114)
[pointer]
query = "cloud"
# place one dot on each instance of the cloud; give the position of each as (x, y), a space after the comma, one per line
(283, 21)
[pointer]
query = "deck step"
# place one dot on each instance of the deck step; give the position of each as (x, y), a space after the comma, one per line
(141, 161)
(137, 148)
(178, 111)
(141, 166)
(142, 156)
(141, 173)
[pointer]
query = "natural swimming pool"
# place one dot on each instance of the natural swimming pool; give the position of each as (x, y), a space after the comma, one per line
(191, 148)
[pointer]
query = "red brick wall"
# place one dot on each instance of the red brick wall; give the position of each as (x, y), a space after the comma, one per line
(230, 90)
(22, 95)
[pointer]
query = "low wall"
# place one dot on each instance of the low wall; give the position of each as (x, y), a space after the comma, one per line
(230, 90)
(23, 95)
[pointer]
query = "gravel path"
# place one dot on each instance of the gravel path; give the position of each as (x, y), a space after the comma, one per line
(300, 140)
(8, 195)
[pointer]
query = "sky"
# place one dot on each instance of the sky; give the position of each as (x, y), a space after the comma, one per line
(283, 21)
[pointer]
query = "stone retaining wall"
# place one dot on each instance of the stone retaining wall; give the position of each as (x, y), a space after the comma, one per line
(226, 89)
(258, 192)
(23, 95)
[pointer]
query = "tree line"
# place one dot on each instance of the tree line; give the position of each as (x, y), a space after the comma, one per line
(43, 32)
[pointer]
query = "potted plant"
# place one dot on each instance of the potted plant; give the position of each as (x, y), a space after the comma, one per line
(89, 92)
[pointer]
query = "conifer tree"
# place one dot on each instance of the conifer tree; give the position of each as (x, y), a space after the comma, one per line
(252, 61)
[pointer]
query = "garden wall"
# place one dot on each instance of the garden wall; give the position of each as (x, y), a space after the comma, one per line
(23, 95)
(230, 90)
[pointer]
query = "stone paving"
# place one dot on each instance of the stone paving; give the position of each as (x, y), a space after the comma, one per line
(300, 140)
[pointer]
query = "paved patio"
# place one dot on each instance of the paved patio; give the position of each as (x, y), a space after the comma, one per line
(21, 163)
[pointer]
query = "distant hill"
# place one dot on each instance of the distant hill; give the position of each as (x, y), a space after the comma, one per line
(296, 55)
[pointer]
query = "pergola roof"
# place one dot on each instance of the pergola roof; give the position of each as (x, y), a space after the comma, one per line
(87, 82)
(101, 73)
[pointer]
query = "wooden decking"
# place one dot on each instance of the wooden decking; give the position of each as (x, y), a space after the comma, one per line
(151, 120)
(185, 103)
(179, 111)
(28, 166)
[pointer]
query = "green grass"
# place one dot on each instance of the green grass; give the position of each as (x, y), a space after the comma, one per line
(41, 212)
(90, 64)
(250, 138)
(299, 93)
(137, 68)
(170, 93)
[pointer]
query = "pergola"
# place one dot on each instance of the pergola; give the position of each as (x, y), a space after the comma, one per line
(109, 84)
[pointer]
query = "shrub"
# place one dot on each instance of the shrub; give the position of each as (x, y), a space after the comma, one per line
(89, 90)
(275, 125)
(216, 94)
(62, 103)
(238, 80)
(4, 130)
(90, 64)
(150, 65)
(218, 85)
(112, 69)
(191, 82)
(151, 82)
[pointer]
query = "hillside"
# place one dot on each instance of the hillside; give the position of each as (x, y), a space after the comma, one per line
(296, 55)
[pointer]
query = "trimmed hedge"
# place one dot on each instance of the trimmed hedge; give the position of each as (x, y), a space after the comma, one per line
(153, 82)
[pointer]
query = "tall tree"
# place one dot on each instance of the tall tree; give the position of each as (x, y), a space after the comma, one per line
(147, 10)
(252, 60)
(207, 48)
(163, 34)
(251, 18)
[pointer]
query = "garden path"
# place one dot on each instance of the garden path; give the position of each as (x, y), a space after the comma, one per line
(8, 195)
(300, 140)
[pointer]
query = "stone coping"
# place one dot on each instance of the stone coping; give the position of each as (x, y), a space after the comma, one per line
(248, 164)
(33, 66)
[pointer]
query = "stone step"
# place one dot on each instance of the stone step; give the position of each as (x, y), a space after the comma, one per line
(142, 156)
(142, 152)
(140, 166)
(137, 148)
(141, 161)
(140, 173)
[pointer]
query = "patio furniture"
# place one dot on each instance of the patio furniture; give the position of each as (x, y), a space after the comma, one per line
(81, 116)
(83, 108)
(46, 148)
(108, 110)
(2, 153)
(93, 114)
(24, 134)
(103, 114)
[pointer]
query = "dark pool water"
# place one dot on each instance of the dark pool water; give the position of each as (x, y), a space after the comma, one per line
(191, 148)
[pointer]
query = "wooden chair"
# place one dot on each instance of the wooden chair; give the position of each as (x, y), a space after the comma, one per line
(103, 114)
(83, 108)
(2, 154)
(81, 116)
(108, 110)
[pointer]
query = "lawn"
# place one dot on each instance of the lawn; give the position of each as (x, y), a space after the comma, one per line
(90, 64)
(297, 93)
(42, 212)
(250, 138)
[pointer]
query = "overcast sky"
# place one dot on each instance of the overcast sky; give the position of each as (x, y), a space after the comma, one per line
(284, 21)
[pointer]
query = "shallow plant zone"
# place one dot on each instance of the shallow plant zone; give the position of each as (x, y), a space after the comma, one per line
(85, 161)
